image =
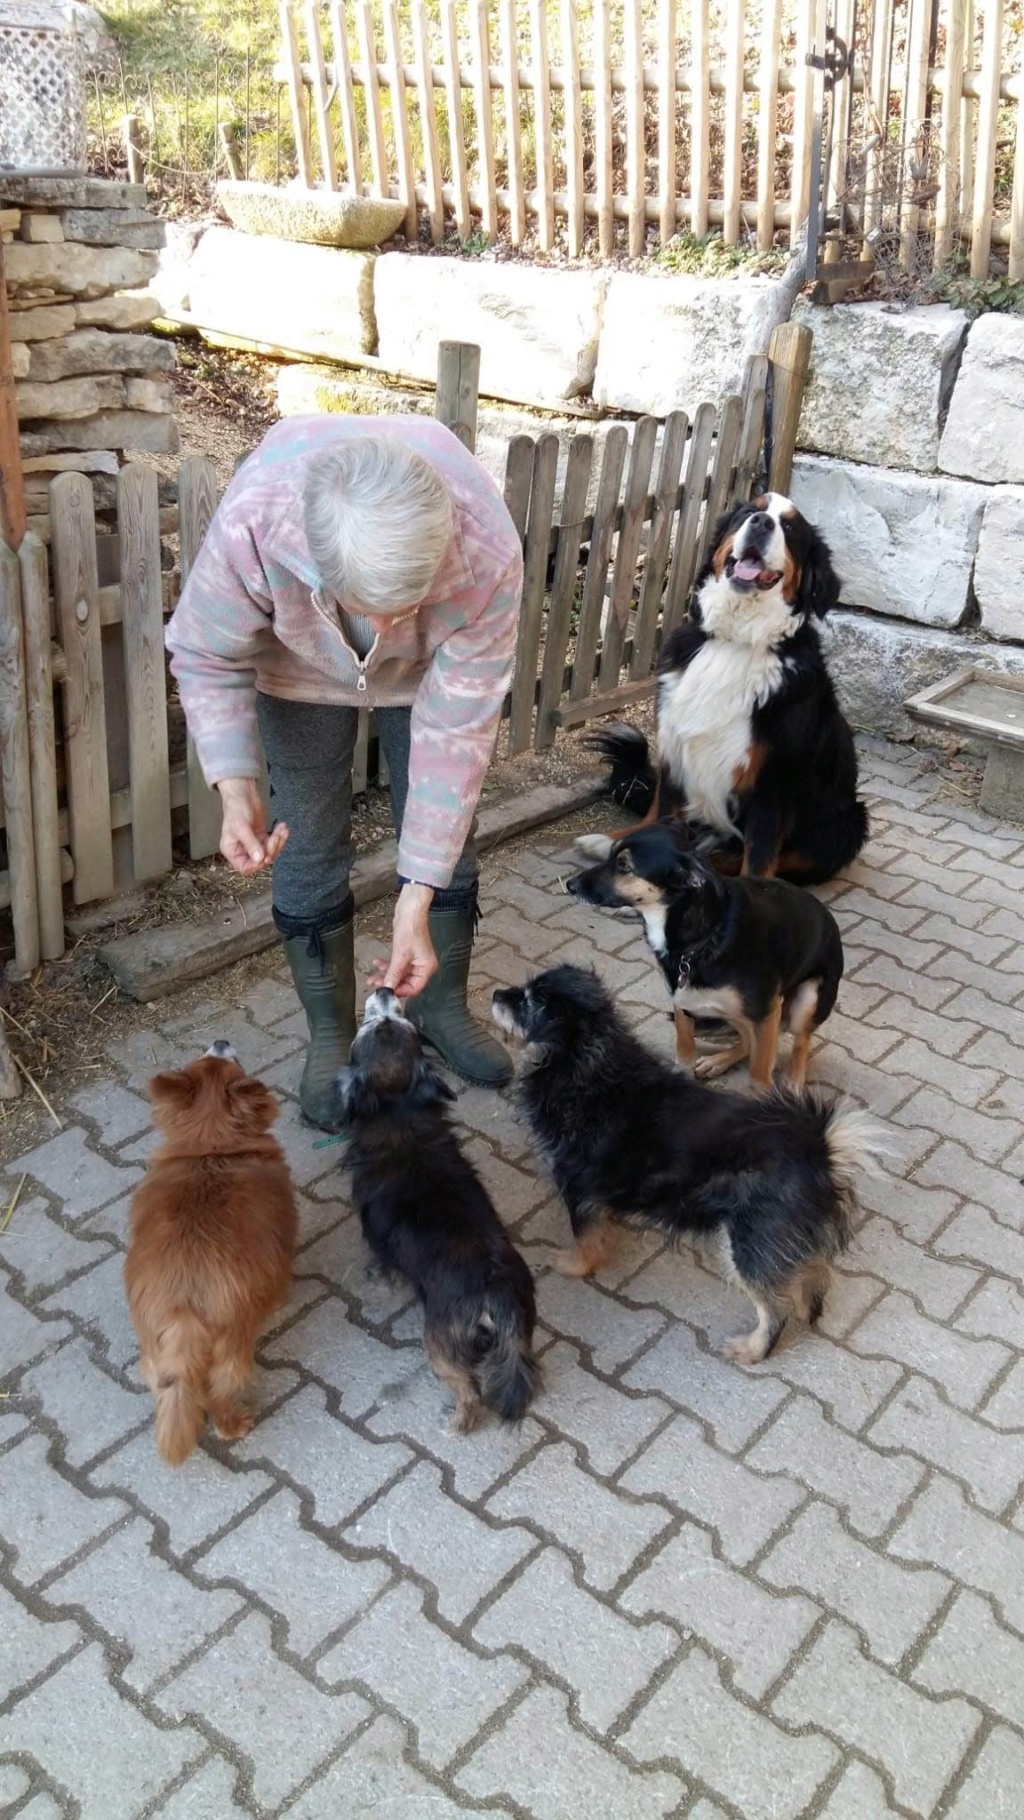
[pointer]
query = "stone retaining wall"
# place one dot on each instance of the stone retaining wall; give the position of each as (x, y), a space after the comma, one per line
(92, 386)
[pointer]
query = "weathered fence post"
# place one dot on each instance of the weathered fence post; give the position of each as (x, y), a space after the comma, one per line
(789, 353)
(133, 152)
(15, 768)
(197, 503)
(42, 740)
(231, 153)
(458, 389)
(73, 515)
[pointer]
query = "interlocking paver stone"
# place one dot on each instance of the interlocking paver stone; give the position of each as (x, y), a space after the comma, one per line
(551, 1770)
(90, 1740)
(763, 1771)
(444, 1689)
(677, 1588)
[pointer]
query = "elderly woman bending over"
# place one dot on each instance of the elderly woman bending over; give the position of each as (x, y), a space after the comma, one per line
(356, 563)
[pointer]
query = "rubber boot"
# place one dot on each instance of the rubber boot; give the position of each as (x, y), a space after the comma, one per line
(440, 1012)
(323, 968)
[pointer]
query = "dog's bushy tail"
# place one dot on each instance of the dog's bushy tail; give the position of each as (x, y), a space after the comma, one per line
(506, 1371)
(181, 1363)
(631, 776)
(856, 1144)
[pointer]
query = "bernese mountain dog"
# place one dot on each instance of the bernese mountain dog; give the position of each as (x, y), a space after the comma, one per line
(751, 742)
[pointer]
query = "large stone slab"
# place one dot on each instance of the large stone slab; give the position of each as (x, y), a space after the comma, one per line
(144, 430)
(904, 544)
(877, 664)
(879, 381)
(96, 351)
(303, 299)
(69, 397)
(318, 217)
(999, 570)
(44, 323)
(84, 271)
(984, 434)
(537, 329)
(113, 227)
(124, 310)
(672, 342)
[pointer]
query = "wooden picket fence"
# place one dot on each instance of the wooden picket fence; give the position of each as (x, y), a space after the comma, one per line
(89, 789)
(680, 118)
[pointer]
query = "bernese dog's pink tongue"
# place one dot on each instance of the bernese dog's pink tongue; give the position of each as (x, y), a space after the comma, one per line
(747, 568)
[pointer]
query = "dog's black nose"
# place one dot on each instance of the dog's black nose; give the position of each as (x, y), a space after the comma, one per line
(761, 521)
(222, 1048)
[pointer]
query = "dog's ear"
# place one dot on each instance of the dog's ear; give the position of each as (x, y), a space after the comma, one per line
(428, 1088)
(819, 586)
(173, 1091)
(357, 1096)
(255, 1102)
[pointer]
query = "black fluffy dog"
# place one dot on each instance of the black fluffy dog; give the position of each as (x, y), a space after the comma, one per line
(629, 1138)
(760, 953)
(427, 1217)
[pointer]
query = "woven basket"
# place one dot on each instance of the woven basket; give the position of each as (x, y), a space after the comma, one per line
(42, 82)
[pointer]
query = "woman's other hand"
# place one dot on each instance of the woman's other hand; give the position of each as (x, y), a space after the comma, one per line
(412, 961)
(244, 841)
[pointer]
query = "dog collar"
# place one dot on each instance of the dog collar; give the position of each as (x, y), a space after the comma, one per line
(337, 1137)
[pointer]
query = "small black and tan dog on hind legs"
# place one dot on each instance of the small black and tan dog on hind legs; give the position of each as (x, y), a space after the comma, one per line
(427, 1217)
(629, 1139)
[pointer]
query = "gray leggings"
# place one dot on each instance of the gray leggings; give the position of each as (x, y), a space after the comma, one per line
(309, 749)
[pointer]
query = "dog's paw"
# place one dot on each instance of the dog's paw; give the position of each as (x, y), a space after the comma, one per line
(466, 1418)
(709, 1067)
(745, 1349)
(569, 1261)
(231, 1425)
(593, 846)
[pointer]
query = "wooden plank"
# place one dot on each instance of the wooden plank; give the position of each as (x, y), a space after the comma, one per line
(518, 481)
(456, 125)
(684, 550)
(732, 157)
(988, 122)
(146, 688)
(667, 53)
(542, 125)
(428, 123)
(573, 128)
(947, 202)
(10, 1078)
(1015, 264)
(591, 707)
(531, 618)
(480, 17)
(727, 442)
(346, 95)
(881, 33)
(296, 97)
(458, 389)
(400, 121)
(789, 351)
(627, 551)
(15, 769)
(85, 730)
(803, 108)
(767, 121)
(645, 630)
(976, 701)
(592, 605)
(603, 127)
(325, 133)
(513, 123)
(915, 106)
(700, 118)
(42, 739)
(563, 585)
(968, 114)
(371, 89)
(12, 485)
(197, 503)
(636, 155)
(755, 390)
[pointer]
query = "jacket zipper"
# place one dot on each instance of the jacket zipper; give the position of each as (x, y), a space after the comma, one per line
(335, 625)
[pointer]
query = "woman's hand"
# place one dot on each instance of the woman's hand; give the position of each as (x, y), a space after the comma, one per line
(413, 961)
(244, 840)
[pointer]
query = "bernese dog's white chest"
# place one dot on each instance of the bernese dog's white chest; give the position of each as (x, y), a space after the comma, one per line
(704, 716)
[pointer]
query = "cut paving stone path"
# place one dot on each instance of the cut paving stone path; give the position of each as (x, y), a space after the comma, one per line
(678, 1589)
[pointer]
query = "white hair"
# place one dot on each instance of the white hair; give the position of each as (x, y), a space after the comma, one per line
(378, 521)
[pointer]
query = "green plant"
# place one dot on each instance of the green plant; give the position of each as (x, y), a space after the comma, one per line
(709, 257)
(978, 296)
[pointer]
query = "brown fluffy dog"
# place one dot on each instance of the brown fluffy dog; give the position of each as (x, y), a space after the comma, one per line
(213, 1230)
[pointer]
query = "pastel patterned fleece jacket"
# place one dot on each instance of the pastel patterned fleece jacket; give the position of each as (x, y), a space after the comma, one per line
(250, 619)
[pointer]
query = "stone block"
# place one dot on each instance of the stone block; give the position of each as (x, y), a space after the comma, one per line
(93, 350)
(318, 217)
(903, 544)
(41, 230)
(85, 271)
(90, 461)
(537, 330)
(672, 342)
(879, 381)
(21, 360)
(44, 323)
(113, 227)
(306, 299)
(69, 398)
(154, 433)
(125, 310)
(999, 568)
(877, 664)
(155, 395)
(984, 434)
(550, 1769)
